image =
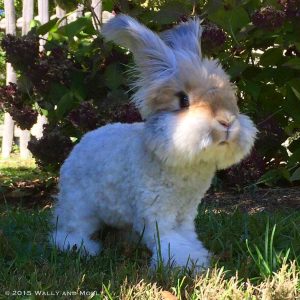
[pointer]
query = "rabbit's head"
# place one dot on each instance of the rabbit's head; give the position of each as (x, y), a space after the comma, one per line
(188, 102)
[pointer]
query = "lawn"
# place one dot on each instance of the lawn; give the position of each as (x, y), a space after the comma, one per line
(256, 253)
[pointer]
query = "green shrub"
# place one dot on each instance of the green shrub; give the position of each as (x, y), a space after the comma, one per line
(78, 82)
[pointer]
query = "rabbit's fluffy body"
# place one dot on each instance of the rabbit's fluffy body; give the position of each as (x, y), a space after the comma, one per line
(152, 175)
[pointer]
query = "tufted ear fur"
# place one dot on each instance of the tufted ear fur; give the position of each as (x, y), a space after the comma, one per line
(152, 56)
(186, 36)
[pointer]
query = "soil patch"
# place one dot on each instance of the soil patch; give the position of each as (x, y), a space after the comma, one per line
(37, 193)
(262, 199)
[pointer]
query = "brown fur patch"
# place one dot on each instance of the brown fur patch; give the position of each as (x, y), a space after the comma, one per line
(212, 103)
(165, 99)
(218, 102)
(200, 108)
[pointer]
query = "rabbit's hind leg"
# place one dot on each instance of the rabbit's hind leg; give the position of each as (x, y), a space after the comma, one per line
(74, 227)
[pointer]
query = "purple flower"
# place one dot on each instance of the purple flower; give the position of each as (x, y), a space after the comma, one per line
(291, 8)
(268, 18)
(213, 37)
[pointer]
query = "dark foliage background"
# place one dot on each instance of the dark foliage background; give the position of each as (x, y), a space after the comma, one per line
(80, 83)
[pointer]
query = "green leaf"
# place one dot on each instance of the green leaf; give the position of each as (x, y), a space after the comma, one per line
(231, 20)
(273, 176)
(295, 86)
(212, 6)
(169, 13)
(291, 105)
(108, 5)
(271, 57)
(24, 83)
(294, 159)
(297, 46)
(283, 74)
(237, 68)
(54, 36)
(68, 5)
(113, 76)
(296, 175)
(57, 91)
(78, 86)
(270, 99)
(74, 28)
(296, 92)
(238, 19)
(252, 88)
(90, 29)
(34, 23)
(44, 112)
(47, 27)
(66, 104)
(293, 63)
(294, 145)
(265, 74)
(117, 97)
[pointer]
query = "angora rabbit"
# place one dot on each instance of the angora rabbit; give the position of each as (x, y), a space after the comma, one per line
(151, 176)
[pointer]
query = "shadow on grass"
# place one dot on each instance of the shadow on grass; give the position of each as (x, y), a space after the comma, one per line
(23, 184)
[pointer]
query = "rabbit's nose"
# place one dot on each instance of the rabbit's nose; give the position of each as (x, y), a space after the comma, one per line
(226, 122)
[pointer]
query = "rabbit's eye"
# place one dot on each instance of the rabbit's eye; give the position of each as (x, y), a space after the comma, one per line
(183, 99)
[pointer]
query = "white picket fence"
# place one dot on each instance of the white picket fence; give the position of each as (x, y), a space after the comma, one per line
(10, 25)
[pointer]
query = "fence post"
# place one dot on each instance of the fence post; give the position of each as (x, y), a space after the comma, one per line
(8, 130)
(97, 6)
(43, 10)
(27, 13)
(60, 13)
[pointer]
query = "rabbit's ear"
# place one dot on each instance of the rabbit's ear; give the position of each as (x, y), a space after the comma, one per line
(152, 56)
(185, 36)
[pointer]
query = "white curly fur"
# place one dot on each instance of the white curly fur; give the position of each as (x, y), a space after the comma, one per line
(154, 174)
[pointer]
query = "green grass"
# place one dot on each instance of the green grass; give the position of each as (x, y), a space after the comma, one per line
(30, 264)
(14, 170)
(255, 256)
(242, 241)
(21, 181)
